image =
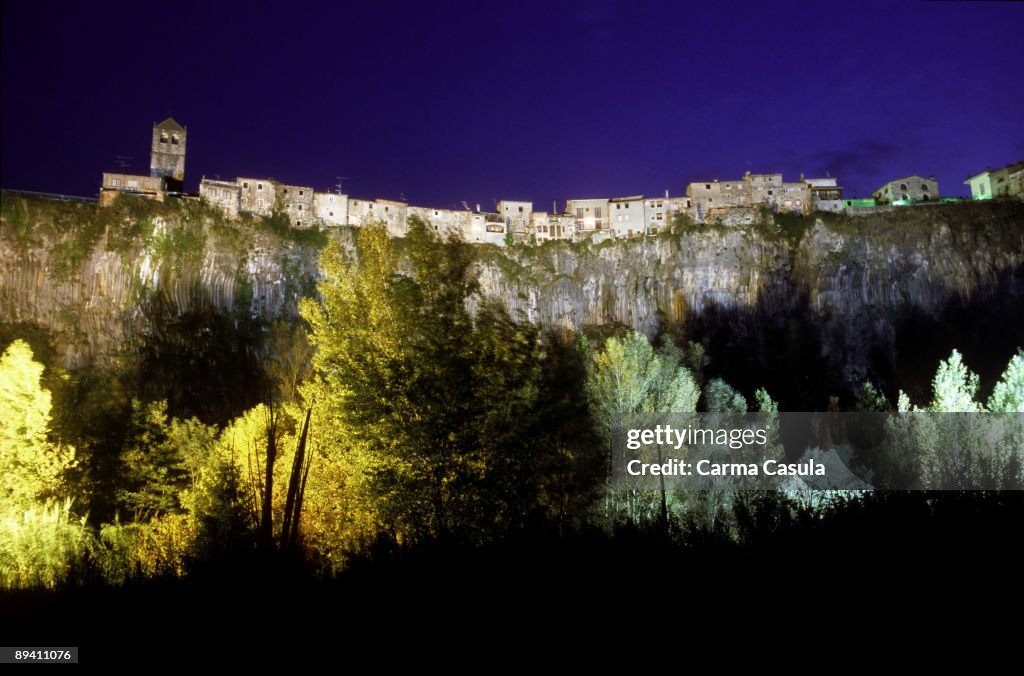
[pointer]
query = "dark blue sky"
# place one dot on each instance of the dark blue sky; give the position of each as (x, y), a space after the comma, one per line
(452, 101)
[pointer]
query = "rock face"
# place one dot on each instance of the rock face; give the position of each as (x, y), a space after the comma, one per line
(853, 275)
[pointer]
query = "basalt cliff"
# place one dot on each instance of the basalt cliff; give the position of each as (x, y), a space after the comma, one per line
(853, 293)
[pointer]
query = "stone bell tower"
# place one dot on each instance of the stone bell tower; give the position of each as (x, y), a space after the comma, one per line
(167, 155)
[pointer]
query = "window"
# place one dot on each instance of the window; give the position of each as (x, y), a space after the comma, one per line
(435, 212)
(707, 186)
(771, 192)
(579, 213)
(597, 212)
(627, 205)
(133, 184)
(163, 137)
(903, 186)
(618, 206)
(116, 182)
(331, 199)
(924, 187)
(520, 210)
(174, 139)
(259, 186)
(495, 227)
(302, 192)
(286, 191)
(300, 207)
(661, 217)
(660, 205)
(259, 203)
(245, 185)
(331, 213)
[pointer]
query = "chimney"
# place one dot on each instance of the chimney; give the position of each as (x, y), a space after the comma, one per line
(478, 208)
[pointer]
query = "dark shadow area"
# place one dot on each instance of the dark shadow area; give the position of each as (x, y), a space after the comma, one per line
(907, 548)
(803, 358)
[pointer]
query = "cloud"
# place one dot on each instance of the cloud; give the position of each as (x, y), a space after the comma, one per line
(865, 165)
(867, 157)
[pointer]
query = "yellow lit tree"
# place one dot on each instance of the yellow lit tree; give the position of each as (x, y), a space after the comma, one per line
(31, 465)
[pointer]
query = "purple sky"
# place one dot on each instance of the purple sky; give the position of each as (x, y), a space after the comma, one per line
(452, 101)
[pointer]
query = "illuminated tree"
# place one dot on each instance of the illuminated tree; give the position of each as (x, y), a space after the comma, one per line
(437, 421)
(954, 387)
(720, 397)
(31, 465)
(630, 376)
(1008, 395)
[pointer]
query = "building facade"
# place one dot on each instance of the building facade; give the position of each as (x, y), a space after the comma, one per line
(331, 209)
(167, 154)
(1005, 182)
(166, 168)
(224, 195)
(626, 216)
(146, 187)
(908, 190)
(517, 215)
(826, 194)
(296, 201)
(589, 214)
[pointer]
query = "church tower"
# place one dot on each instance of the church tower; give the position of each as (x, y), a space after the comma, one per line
(167, 156)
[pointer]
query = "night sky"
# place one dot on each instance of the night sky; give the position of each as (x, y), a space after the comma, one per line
(445, 102)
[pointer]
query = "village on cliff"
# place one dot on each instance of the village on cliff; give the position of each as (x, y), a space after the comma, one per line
(729, 202)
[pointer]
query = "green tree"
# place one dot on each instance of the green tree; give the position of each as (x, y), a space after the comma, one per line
(430, 414)
(954, 387)
(630, 376)
(720, 397)
(32, 466)
(1008, 395)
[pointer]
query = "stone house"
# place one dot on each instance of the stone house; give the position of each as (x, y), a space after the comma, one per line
(296, 201)
(826, 194)
(256, 196)
(545, 226)
(626, 216)
(331, 208)
(225, 195)
(393, 214)
(908, 190)
(590, 214)
(146, 187)
(516, 215)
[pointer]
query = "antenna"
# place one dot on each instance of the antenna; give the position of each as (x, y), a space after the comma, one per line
(341, 179)
(124, 161)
